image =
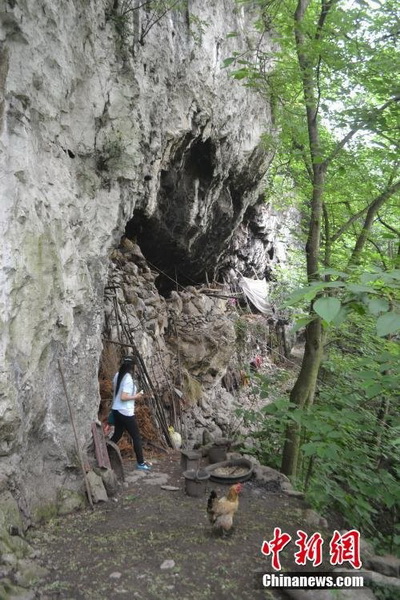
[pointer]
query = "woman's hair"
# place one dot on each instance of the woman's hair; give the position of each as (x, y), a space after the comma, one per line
(126, 366)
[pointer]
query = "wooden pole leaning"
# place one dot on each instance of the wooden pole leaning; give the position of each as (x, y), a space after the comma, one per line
(88, 491)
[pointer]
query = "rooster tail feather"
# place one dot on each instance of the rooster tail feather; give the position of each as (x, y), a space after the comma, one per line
(211, 499)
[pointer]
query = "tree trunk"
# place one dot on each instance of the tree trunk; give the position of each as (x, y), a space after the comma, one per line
(302, 394)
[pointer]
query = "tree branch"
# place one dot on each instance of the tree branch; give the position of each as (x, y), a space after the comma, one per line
(372, 210)
(325, 8)
(328, 239)
(392, 229)
(348, 224)
(371, 241)
(318, 171)
(356, 129)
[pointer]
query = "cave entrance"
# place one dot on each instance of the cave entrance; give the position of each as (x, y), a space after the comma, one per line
(164, 254)
(183, 238)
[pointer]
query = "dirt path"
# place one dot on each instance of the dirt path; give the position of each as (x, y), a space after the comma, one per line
(150, 543)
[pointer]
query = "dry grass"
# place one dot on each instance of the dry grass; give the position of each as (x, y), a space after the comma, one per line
(192, 390)
(147, 428)
(109, 363)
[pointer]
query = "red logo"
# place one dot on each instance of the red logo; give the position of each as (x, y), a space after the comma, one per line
(342, 548)
(275, 546)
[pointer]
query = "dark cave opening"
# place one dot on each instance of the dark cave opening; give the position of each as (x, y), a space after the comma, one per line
(176, 239)
(200, 161)
(164, 254)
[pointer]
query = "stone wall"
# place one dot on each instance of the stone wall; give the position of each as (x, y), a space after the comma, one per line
(197, 345)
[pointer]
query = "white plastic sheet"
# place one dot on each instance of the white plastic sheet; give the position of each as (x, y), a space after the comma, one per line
(256, 291)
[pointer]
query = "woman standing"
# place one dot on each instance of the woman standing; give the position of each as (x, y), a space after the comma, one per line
(123, 408)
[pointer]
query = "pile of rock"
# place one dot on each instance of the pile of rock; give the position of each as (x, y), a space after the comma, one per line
(187, 341)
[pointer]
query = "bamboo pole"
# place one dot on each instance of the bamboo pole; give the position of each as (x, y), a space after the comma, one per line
(89, 494)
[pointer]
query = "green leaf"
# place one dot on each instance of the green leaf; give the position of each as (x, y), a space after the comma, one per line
(310, 448)
(333, 272)
(335, 284)
(378, 305)
(301, 323)
(367, 375)
(270, 409)
(296, 416)
(388, 323)
(390, 275)
(360, 289)
(229, 61)
(374, 390)
(341, 316)
(327, 308)
(241, 73)
(304, 293)
(367, 277)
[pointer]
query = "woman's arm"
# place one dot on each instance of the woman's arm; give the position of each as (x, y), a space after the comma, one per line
(126, 397)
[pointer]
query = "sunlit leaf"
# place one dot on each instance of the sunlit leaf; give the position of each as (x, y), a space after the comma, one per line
(240, 73)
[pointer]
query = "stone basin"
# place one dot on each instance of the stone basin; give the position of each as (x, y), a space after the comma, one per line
(234, 465)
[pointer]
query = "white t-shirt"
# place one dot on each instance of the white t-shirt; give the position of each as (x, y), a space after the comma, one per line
(128, 386)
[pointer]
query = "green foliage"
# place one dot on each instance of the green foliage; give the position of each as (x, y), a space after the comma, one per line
(375, 293)
(268, 425)
(250, 330)
(350, 460)
(387, 592)
(197, 27)
(351, 57)
(327, 308)
(332, 83)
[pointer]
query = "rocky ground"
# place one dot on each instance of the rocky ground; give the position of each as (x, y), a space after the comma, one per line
(150, 543)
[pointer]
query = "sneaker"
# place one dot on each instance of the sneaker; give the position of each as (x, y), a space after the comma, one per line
(143, 466)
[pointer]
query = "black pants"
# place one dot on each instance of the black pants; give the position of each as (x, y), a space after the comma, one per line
(123, 422)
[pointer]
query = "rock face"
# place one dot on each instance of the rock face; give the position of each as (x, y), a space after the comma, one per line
(108, 124)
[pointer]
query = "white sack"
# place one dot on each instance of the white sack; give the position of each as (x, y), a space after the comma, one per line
(256, 291)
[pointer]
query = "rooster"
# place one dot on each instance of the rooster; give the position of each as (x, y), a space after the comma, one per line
(221, 510)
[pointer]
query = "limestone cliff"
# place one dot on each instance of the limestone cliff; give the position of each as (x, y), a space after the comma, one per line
(111, 122)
